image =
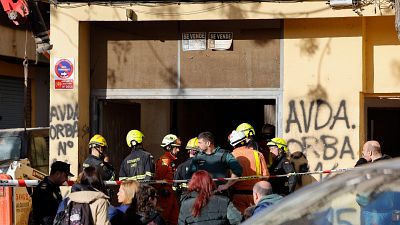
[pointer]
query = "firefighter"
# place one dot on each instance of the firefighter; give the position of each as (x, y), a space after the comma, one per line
(267, 133)
(253, 164)
(180, 174)
(139, 164)
(281, 165)
(98, 157)
(249, 131)
(165, 168)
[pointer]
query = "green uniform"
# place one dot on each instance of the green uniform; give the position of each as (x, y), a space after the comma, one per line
(219, 163)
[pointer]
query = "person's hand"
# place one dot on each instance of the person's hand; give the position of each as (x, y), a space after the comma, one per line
(106, 158)
(222, 187)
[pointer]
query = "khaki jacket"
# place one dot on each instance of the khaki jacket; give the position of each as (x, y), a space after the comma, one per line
(98, 206)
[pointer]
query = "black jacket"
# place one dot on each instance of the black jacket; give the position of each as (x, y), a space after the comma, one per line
(383, 158)
(107, 170)
(180, 174)
(282, 185)
(138, 165)
(219, 210)
(45, 200)
(154, 218)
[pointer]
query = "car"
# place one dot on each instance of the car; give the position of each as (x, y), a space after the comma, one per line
(342, 199)
(18, 143)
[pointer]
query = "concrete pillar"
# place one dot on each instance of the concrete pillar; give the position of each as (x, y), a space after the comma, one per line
(69, 109)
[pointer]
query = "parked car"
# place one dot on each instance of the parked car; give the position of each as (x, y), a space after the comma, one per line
(16, 144)
(340, 199)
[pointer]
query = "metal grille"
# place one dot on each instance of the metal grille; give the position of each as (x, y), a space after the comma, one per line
(12, 103)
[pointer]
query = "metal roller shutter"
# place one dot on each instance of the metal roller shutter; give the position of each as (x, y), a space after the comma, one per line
(12, 103)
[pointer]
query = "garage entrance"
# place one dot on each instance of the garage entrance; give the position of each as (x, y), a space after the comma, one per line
(184, 117)
(383, 123)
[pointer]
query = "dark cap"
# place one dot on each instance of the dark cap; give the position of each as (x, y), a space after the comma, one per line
(61, 166)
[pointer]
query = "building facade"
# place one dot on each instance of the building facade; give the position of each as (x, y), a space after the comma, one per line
(326, 79)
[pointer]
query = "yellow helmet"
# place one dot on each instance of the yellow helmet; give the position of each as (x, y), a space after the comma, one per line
(134, 137)
(192, 144)
(279, 142)
(97, 140)
(247, 129)
(170, 140)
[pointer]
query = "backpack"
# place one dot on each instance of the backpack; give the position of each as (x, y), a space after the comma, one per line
(74, 213)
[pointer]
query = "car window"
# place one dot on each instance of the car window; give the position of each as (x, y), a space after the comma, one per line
(39, 153)
(10, 148)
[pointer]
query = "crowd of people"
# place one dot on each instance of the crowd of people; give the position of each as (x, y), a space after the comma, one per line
(206, 197)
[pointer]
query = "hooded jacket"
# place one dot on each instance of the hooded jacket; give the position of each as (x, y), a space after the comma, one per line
(98, 203)
(266, 201)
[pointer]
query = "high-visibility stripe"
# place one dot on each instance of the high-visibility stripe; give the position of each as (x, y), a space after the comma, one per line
(257, 161)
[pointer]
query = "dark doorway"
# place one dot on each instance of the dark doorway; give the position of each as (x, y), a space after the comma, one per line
(383, 126)
(219, 116)
(183, 117)
(117, 120)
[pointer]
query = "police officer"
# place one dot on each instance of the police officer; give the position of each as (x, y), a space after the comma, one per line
(280, 166)
(139, 164)
(165, 168)
(47, 195)
(180, 174)
(98, 157)
(216, 161)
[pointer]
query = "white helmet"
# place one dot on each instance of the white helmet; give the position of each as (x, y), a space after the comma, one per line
(236, 137)
(170, 140)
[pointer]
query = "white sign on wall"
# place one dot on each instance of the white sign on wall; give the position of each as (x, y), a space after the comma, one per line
(194, 41)
(220, 40)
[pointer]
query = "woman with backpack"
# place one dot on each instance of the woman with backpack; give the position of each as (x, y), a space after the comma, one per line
(87, 204)
(126, 196)
(201, 206)
(146, 206)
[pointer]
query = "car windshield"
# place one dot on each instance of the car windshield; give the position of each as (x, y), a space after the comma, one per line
(10, 148)
(365, 195)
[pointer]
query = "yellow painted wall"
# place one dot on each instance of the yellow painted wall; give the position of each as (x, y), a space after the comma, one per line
(383, 55)
(322, 82)
(69, 109)
(326, 55)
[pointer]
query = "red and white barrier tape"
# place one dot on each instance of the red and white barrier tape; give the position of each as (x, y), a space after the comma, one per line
(33, 183)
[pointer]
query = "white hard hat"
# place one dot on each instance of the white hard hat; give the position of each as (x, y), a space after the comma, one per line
(236, 137)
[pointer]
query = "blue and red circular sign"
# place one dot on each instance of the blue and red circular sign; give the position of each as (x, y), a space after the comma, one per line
(64, 68)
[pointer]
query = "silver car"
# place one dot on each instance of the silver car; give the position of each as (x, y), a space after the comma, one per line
(368, 195)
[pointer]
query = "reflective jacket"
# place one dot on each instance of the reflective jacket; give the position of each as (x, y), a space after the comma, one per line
(107, 170)
(253, 164)
(180, 174)
(138, 165)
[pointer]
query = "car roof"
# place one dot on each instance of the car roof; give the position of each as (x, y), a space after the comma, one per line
(20, 131)
(383, 175)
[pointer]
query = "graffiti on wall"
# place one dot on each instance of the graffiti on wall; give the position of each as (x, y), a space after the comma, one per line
(322, 129)
(64, 126)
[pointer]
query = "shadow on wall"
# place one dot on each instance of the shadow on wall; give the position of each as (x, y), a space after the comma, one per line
(395, 66)
(308, 46)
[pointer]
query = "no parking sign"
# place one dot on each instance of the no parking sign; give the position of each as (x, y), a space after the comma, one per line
(64, 73)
